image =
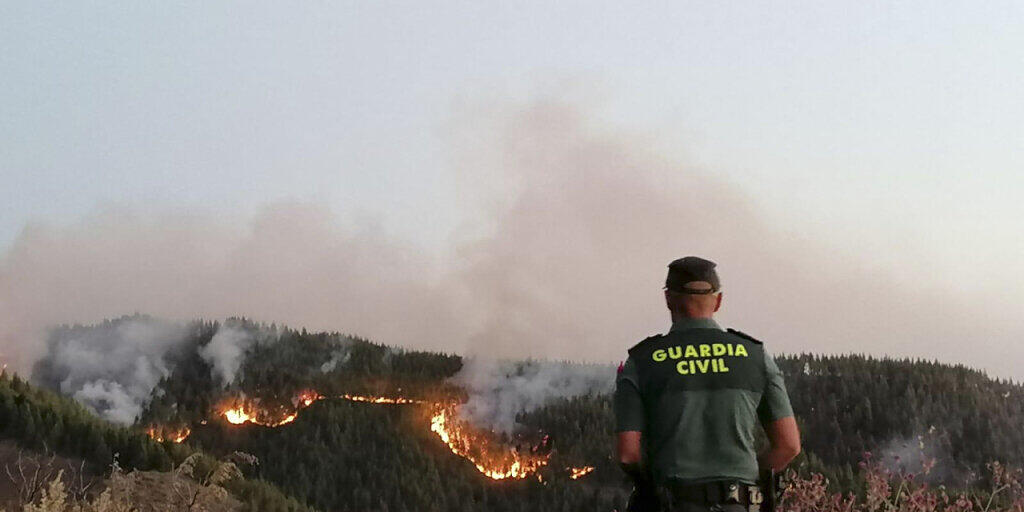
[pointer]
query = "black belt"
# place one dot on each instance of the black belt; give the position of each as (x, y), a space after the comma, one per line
(711, 493)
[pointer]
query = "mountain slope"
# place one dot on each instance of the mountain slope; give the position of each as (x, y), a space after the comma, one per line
(336, 449)
(41, 422)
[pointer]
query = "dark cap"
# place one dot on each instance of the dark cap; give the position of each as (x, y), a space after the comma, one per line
(692, 275)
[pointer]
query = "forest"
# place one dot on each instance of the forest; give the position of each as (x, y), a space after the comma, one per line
(338, 422)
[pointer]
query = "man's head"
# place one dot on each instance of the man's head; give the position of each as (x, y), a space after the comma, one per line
(692, 288)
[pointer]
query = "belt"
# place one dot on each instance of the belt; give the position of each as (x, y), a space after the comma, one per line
(711, 493)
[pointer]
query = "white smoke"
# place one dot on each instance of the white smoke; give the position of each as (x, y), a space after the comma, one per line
(225, 352)
(112, 400)
(928, 450)
(339, 356)
(111, 368)
(499, 390)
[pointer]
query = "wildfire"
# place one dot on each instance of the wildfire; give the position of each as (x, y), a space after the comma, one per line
(241, 414)
(498, 465)
(488, 456)
(306, 398)
(161, 434)
(382, 399)
(251, 413)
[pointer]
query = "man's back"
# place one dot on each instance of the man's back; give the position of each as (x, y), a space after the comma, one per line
(687, 404)
(697, 394)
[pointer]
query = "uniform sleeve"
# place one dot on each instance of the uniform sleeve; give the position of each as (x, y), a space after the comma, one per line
(629, 407)
(775, 401)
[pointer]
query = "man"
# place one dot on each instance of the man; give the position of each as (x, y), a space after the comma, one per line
(687, 404)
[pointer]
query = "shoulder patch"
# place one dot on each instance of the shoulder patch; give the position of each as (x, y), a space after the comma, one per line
(744, 335)
(644, 342)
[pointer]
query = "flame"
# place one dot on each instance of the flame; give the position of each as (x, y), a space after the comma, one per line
(382, 399)
(243, 414)
(479, 447)
(161, 434)
(306, 398)
(249, 412)
(498, 464)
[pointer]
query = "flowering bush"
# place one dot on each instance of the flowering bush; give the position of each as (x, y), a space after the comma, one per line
(899, 491)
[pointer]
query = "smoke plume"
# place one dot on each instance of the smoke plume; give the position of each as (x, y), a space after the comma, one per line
(111, 368)
(339, 356)
(500, 390)
(226, 351)
(571, 226)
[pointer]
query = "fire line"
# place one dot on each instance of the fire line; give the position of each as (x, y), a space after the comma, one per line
(468, 446)
(489, 458)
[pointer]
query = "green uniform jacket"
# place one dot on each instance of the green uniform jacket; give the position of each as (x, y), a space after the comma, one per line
(697, 394)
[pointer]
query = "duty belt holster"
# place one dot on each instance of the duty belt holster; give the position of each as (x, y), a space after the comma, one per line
(674, 492)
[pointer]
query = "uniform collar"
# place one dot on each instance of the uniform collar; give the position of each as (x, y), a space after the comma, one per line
(694, 323)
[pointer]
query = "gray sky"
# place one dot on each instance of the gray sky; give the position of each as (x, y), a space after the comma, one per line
(884, 134)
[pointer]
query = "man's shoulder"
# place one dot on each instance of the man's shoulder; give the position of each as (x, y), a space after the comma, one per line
(646, 342)
(741, 334)
(651, 341)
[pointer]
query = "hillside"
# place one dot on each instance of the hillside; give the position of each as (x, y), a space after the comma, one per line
(44, 434)
(342, 423)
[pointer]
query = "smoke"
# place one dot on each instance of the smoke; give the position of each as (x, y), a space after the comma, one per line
(570, 227)
(111, 368)
(924, 456)
(339, 356)
(293, 264)
(501, 389)
(226, 351)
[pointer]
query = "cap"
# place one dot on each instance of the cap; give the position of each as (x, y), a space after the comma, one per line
(692, 275)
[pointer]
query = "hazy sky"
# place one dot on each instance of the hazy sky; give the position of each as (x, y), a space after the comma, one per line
(889, 133)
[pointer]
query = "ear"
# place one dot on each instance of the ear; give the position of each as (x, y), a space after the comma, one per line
(718, 303)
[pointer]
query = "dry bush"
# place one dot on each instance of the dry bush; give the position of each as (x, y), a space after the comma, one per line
(30, 473)
(196, 485)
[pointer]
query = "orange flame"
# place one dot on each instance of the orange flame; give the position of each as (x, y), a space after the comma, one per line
(247, 412)
(161, 434)
(306, 398)
(243, 414)
(495, 464)
(478, 447)
(382, 399)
